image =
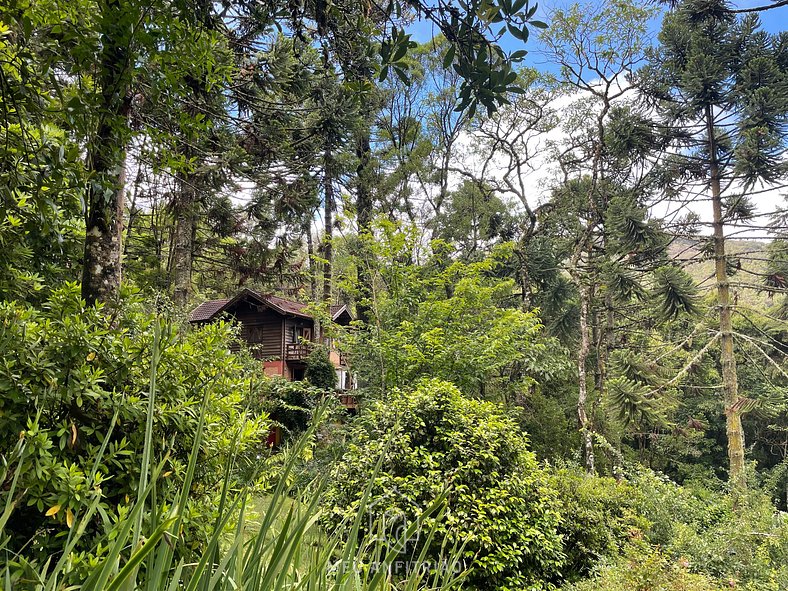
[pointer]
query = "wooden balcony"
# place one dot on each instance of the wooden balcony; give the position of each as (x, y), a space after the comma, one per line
(300, 351)
(349, 401)
(297, 351)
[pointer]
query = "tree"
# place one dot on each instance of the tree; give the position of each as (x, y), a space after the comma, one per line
(76, 390)
(42, 169)
(719, 79)
(596, 50)
(474, 219)
(447, 319)
(116, 41)
(106, 149)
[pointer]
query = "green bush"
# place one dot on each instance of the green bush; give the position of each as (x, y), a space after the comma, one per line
(275, 542)
(645, 569)
(599, 518)
(501, 507)
(73, 378)
(290, 405)
(739, 542)
(666, 505)
(747, 546)
(320, 372)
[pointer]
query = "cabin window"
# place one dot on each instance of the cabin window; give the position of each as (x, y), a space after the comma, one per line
(344, 380)
(302, 333)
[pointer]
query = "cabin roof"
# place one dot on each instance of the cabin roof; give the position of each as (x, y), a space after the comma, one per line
(207, 310)
(339, 310)
(212, 308)
(288, 306)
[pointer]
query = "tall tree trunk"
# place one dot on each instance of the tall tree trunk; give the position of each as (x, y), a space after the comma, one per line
(133, 206)
(328, 235)
(106, 160)
(310, 251)
(185, 205)
(727, 358)
(364, 214)
(582, 380)
(101, 269)
(183, 243)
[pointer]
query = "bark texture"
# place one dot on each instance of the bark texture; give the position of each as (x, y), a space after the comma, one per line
(106, 160)
(183, 242)
(363, 216)
(328, 236)
(730, 381)
(582, 380)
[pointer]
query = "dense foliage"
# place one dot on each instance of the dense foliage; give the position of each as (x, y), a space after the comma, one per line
(454, 320)
(320, 371)
(76, 391)
(501, 512)
(558, 288)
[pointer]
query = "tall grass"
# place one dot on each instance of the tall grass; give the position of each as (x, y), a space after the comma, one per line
(286, 550)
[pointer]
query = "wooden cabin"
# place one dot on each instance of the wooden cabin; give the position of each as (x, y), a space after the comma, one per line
(281, 333)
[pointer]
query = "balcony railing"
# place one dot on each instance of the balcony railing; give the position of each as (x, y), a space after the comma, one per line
(349, 401)
(297, 351)
(300, 351)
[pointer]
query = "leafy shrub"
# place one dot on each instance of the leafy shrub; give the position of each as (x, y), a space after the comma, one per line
(320, 372)
(500, 505)
(289, 404)
(599, 518)
(665, 505)
(733, 541)
(746, 546)
(276, 548)
(645, 569)
(552, 429)
(42, 179)
(74, 378)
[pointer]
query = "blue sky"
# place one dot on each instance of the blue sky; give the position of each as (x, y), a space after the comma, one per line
(774, 21)
(538, 179)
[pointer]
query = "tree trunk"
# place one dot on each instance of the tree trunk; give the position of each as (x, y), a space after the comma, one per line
(582, 380)
(310, 251)
(185, 205)
(183, 247)
(328, 236)
(364, 214)
(101, 269)
(133, 207)
(727, 358)
(106, 161)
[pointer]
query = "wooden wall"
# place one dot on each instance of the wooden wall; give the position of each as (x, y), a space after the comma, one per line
(261, 328)
(291, 324)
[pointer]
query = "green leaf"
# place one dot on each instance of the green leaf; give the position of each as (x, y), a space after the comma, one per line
(448, 58)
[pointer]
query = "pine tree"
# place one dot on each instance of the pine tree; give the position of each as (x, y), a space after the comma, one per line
(596, 50)
(719, 82)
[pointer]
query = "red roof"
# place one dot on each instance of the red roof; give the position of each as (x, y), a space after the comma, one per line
(208, 310)
(288, 306)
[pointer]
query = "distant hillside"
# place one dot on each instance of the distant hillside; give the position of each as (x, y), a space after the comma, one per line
(750, 255)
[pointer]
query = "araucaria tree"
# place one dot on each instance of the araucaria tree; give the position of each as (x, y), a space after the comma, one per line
(596, 49)
(719, 82)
